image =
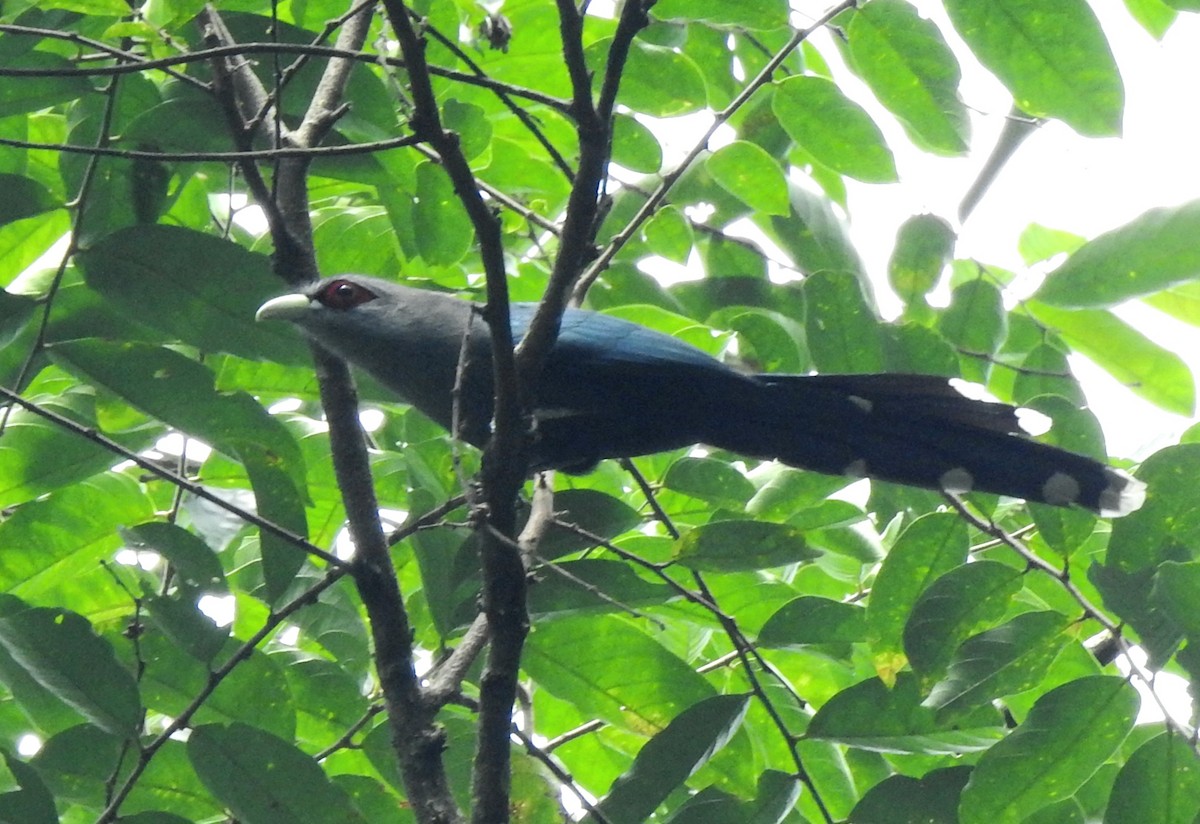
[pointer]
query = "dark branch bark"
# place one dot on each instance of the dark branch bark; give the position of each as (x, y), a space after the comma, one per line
(577, 241)
(503, 460)
(417, 739)
(601, 261)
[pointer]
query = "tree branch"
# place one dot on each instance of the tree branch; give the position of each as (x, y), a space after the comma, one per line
(137, 64)
(418, 741)
(215, 678)
(327, 99)
(576, 243)
(503, 460)
(597, 266)
(177, 480)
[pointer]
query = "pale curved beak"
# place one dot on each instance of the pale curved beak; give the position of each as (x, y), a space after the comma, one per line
(285, 307)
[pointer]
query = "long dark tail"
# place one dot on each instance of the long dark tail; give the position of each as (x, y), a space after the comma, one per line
(917, 430)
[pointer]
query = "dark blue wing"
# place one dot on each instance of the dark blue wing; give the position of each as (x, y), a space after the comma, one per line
(613, 388)
(604, 341)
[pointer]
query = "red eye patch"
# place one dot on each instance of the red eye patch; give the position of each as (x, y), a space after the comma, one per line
(344, 294)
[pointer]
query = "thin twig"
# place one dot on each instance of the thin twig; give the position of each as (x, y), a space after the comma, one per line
(1090, 610)
(140, 64)
(564, 777)
(503, 468)
(165, 474)
(215, 678)
(346, 739)
(310, 153)
(597, 266)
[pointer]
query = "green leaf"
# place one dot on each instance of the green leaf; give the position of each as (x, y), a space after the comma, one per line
(1167, 527)
(1128, 595)
(443, 230)
(24, 242)
(255, 692)
(67, 532)
(924, 246)
(738, 14)
(728, 258)
(610, 669)
(669, 233)
(103, 8)
(906, 62)
(264, 779)
(180, 391)
(361, 239)
(767, 341)
(658, 81)
(841, 328)
(931, 546)
(1006, 660)
(23, 197)
(33, 92)
(176, 389)
(784, 491)
(813, 620)
(976, 323)
(954, 607)
(328, 699)
(1176, 591)
(179, 618)
(472, 125)
(1054, 59)
(730, 546)
(40, 709)
(709, 480)
(1155, 16)
(1182, 302)
(15, 312)
(670, 757)
(438, 552)
(1046, 371)
(1068, 734)
(1147, 369)
(872, 716)
(777, 795)
(32, 803)
(747, 172)
(634, 146)
(815, 236)
(594, 585)
(190, 557)
(188, 122)
(198, 288)
(591, 510)
(1155, 251)
(78, 764)
(38, 456)
(833, 129)
(62, 652)
(1038, 243)
(899, 799)
(1160, 782)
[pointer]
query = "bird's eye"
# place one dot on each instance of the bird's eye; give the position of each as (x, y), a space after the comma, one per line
(344, 294)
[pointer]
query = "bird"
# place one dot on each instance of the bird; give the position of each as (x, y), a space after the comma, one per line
(611, 388)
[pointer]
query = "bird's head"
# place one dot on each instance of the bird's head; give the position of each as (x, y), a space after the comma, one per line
(353, 314)
(333, 300)
(409, 339)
